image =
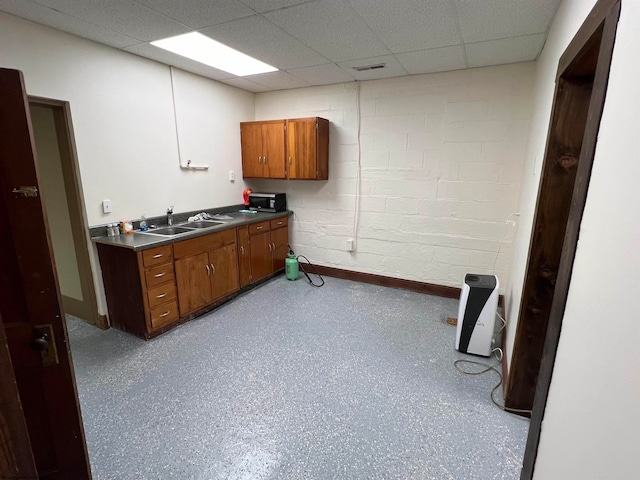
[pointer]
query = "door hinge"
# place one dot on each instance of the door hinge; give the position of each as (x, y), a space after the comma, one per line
(29, 191)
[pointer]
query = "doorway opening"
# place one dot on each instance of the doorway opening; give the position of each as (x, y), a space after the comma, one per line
(62, 196)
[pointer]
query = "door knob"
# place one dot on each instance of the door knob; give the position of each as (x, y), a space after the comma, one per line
(40, 343)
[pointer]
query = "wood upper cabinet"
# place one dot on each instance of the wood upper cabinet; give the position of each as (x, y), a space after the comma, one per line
(206, 269)
(296, 149)
(308, 148)
(263, 149)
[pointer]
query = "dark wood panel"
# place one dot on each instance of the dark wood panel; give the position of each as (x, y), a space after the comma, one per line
(164, 314)
(162, 294)
(279, 241)
(251, 143)
(552, 211)
(302, 148)
(259, 227)
(273, 149)
(261, 259)
(279, 222)
(158, 275)
(123, 289)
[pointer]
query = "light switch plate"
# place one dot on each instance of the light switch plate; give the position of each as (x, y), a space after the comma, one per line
(232, 176)
(106, 206)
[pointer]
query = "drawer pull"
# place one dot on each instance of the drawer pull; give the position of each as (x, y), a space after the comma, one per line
(158, 255)
(259, 227)
(274, 247)
(241, 249)
(162, 295)
(158, 275)
(279, 223)
(208, 270)
(164, 314)
(269, 245)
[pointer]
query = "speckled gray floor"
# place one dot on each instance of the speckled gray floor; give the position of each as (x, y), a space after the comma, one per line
(348, 381)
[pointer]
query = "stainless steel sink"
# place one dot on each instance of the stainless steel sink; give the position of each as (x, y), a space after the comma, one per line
(169, 231)
(202, 224)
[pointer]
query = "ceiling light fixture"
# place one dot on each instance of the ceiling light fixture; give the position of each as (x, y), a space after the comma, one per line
(203, 49)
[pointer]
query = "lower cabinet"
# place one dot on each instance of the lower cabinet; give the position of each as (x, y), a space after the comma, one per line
(263, 249)
(206, 269)
(150, 291)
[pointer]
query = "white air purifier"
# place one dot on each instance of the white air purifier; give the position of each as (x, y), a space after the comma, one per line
(477, 314)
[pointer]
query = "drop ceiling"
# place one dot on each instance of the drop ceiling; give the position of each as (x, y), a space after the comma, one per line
(317, 42)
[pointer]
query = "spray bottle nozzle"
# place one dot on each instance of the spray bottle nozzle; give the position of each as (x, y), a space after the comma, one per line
(290, 250)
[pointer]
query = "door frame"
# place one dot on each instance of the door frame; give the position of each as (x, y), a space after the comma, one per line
(604, 16)
(75, 200)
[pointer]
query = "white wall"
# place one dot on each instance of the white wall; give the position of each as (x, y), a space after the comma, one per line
(123, 119)
(593, 411)
(442, 159)
(568, 20)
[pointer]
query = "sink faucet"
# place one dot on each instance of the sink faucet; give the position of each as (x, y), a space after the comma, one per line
(170, 215)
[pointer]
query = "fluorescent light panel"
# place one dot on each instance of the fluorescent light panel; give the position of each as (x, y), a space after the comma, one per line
(205, 50)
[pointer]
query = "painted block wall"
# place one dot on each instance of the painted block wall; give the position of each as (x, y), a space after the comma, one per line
(441, 164)
(122, 113)
(593, 411)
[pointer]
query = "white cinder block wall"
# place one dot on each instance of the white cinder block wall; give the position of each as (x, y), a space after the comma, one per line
(441, 163)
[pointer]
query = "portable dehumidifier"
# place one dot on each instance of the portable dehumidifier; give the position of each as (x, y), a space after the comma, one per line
(477, 314)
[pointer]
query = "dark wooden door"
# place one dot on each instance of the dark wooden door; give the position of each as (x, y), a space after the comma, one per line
(251, 143)
(302, 148)
(244, 259)
(273, 149)
(261, 258)
(224, 270)
(30, 300)
(193, 279)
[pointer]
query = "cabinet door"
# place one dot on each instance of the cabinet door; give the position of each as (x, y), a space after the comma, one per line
(244, 258)
(301, 148)
(251, 142)
(224, 270)
(273, 146)
(193, 278)
(261, 259)
(279, 240)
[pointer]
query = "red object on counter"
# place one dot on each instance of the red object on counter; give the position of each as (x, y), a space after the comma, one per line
(245, 196)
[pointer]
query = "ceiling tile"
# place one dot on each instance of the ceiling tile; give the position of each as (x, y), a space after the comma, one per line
(434, 60)
(415, 25)
(199, 13)
(168, 58)
(61, 21)
(322, 74)
(262, 6)
(245, 84)
(494, 19)
(392, 68)
(506, 50)
(277, 80)
(258, 37)
(128, 18)
(332, 28)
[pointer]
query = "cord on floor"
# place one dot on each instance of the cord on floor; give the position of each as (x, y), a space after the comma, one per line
(488, 368)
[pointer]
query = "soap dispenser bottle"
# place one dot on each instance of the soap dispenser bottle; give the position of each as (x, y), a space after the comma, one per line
(143, 223)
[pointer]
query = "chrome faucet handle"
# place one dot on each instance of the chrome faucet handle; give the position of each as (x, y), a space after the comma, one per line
(170, 209)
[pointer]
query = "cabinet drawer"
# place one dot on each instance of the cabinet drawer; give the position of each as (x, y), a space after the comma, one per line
(158, 275)
(162, 294)
(279, 222)
(164, 314)
(258, 227)
(156, 256)
(204, 243)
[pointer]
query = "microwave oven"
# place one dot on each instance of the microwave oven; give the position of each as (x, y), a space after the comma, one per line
(268, 202)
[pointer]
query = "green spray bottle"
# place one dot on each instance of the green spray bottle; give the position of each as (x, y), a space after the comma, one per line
(291, 265)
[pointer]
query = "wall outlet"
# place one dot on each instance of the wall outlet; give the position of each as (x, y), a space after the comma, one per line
(232, 176)
(106, 206)
(350, 247)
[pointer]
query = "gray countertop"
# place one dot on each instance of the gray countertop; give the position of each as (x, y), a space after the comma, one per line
(142, 241)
